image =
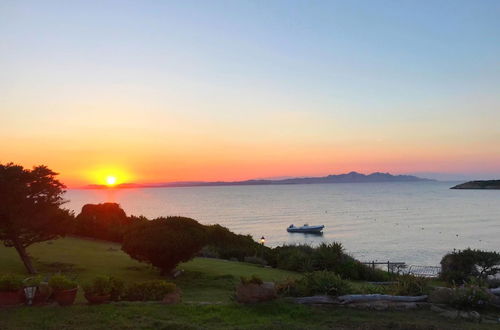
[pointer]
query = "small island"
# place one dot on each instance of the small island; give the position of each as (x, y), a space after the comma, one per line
(482, 184)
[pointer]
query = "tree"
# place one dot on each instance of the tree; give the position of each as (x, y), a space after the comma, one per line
(30, 208)
(106, 221)
(165, 242)
(460, 266)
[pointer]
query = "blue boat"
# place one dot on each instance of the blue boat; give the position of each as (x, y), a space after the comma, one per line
(305, 229)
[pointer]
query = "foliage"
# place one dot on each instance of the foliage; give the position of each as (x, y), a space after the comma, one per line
(165, 242)
(254, 279)
(30, 208)
(409, 285)
(470, 296)
(371, 289)
(100, 286)
(459, 266)
(148, 290)
(10, 282)
(116, 288)
(106, 221)
(330, 257)
(226, 245)
(255, 260)
(323, 282)
(32, 281)
(61, 282)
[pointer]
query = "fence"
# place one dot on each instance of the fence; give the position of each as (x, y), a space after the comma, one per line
(402, 268)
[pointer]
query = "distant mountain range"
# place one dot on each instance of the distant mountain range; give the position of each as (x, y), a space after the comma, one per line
(352, 177)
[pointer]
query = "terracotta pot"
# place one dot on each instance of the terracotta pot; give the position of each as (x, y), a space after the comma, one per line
(10, 298)
(173, 298)
(97, 299)
(65, 297)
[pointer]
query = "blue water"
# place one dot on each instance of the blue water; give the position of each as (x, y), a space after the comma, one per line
(415, 223)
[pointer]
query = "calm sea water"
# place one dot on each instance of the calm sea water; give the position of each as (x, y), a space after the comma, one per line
(415, 223)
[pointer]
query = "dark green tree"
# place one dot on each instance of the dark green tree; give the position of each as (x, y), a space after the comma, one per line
(30, 208)
(165, 242)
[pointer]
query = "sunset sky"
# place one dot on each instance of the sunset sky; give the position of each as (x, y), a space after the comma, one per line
(156, 91)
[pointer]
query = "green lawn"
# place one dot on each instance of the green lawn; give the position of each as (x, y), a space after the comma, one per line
(207, 285)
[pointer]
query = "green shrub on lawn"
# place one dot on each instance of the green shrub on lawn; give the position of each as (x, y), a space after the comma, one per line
(254, 279)
(471, 296)
(323, 282)
(61, 282)
(99, 286)
(409, 285)
(153, 290)
(10, 282)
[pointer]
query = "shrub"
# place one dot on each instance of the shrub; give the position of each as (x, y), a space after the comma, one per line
(470, 296)
(255, 260)
(32, 281)
(294, 257)
(409, 285)
(371, 289)
(99, 286)
(10, 283)
(254, 279)
(323, 282)
(459, 266)
(61, 282)
(165, 242)
(116, 288)
(288, 287)
(148, 290)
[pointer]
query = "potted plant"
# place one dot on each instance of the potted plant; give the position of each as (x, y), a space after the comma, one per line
(11, 290)
(65, 290)
(98, 290)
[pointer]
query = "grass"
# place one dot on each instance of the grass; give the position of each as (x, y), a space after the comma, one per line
(207, 285)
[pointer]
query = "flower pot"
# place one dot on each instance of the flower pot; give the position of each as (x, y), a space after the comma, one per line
(65, 297)
(94, 299)
(10, 298)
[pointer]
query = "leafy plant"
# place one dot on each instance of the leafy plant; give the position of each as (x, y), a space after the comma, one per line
(254, 279)
(116, 288)
(153, 290)
(32, 281)
(61, 282)
(470, 296)
(10, 282)
(323, 282)
(99, 286)
(409, 285)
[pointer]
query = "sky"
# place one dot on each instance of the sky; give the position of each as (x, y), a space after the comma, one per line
(157, 91)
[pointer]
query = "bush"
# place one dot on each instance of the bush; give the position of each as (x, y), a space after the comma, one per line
(32, 281)
(371, 289)
(116, 288)
(323, 282)
(165, 242)
(255, 260)
(470, 296)
(459, 266)
(288, 287)
(99, 286)
(409, 285)
(294, 257)
(10, 283)
(254, 279)
(154, 290)
(61, 282)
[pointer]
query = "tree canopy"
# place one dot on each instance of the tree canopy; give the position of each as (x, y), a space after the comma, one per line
(165, 242)
(30, 208)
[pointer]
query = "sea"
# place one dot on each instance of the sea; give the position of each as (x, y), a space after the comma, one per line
(412, 222)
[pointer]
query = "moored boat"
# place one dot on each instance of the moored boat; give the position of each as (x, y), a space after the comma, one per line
(305, 229)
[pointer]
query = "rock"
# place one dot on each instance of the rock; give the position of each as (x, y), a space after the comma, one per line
(440, 295)
(470, 316)
(252, 293)
(173, 298)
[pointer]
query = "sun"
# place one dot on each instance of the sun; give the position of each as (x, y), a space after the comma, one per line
(110, 180)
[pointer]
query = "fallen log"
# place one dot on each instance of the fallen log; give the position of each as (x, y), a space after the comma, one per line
(352, 298)
(495, 291)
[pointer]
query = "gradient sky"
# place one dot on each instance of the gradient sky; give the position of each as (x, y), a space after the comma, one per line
(227, 90)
